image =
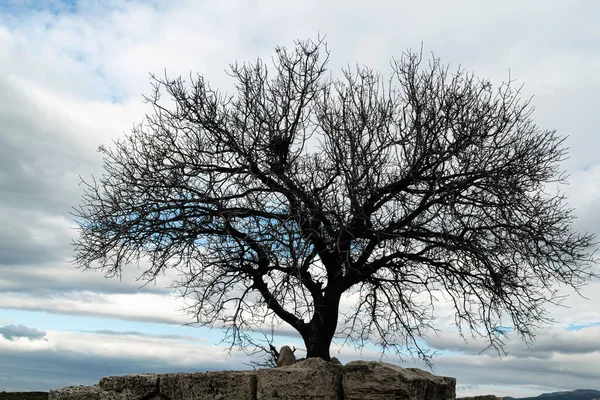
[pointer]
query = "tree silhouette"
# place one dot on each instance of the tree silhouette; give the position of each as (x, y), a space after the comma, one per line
(299, 191)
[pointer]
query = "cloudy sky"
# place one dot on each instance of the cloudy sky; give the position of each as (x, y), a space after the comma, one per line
(72, 75)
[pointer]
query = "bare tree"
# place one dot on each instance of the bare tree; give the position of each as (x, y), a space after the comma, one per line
(298, 191)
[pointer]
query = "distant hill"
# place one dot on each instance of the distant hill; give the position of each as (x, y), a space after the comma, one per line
(579, 394)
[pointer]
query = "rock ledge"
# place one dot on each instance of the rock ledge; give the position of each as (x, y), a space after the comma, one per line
(313, 379)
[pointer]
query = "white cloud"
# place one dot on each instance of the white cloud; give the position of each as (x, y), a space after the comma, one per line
(134, 307)
(168, 351)
(65, 358)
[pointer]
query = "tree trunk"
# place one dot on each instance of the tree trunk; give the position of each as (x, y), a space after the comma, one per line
(322, 326)
(317, 345)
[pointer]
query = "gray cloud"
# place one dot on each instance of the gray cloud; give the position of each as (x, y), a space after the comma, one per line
(45, 370)
(70, 358)
(146, 335)
(11, 332)
(77, 307)
(38, 180)
(548, 342)
(39, 159)
(560, 373)
(31, 237)
(51, 279)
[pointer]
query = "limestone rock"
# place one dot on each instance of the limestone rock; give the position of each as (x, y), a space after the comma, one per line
(75, 393)
(313, 379)
(222, 385)
(334, 360)
(286, 357)
(129, 387)
(369, 380)
(157, 396)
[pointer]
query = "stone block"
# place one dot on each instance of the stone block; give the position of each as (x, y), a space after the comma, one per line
(369, 380)
(230, 385)
(75, 393)
(310, 379)
(286, 357)
(128, 387)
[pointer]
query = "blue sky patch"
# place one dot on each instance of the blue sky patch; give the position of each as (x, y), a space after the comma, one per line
(55, 7)
(579, 326)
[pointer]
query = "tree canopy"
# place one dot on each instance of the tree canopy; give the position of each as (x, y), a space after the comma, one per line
(300, 191)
